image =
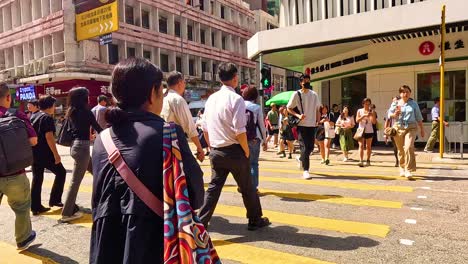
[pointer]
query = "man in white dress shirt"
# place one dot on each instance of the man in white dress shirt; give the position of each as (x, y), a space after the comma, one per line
(225, 121)
(175, 109)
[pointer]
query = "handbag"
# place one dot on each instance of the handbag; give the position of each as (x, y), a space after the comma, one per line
(338, 130)
(329, 130)
(293, 121)
(65, 136)
(185, 237)
(359, 133)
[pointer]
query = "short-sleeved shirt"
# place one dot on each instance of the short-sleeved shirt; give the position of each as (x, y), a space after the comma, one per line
(99, 113)
(310, 102)
(175, 109)
(29, 128)
(410, 113)
(273, 117)
(435, 113)
(43, 123)
(365, 122)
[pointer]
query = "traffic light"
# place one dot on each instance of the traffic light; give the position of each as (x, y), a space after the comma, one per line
(266, 77)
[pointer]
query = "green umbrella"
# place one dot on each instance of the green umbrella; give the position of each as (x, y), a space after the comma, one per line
(280, 99)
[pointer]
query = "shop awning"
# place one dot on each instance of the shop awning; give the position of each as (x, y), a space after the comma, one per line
(294, 46)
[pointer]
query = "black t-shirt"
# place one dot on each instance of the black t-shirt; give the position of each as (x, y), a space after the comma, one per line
(81, 122)
(43, 123)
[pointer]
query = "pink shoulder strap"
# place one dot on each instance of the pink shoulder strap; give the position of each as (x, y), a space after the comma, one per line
(130, 178)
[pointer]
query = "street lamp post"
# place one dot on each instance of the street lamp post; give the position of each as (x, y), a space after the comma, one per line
(181, 37)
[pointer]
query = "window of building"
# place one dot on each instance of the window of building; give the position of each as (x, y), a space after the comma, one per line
(204, 66)
(177, 28)
(271, 26)
(189, 32)
(145, 21)
(455, 94)
(223, 42)
(213, 39)
(215, 70)
(212, 7)
(164, 61)
(202, 5)
(222, 12)
(163, 25)
(202, 36)
(129, 15)
(353, 89)
(191, 67)
(131, 52)
(113, 50)
(179, 64)
(147, 54)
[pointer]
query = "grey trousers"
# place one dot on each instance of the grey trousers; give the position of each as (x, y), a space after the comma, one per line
(80, 153)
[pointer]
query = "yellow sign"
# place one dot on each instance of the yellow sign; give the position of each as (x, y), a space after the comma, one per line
(96, 22)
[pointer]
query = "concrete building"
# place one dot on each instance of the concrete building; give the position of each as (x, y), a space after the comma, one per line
(360, 48)
(38, 42)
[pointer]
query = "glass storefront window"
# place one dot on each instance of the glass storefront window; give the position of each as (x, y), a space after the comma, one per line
(353, 90)
(455, 94)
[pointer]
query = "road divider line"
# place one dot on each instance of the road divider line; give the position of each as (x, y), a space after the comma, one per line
(422, 197)
(416, 208)
(9, 254)
(342, 226)
(250, 254)
(335, 199)
(406, 242)
(410, 221)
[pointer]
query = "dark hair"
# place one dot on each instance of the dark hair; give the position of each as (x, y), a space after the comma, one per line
(250, 94)
(34, 102)
(174, 78)
(322, 107)
(133, 80)
(334, 105)
(304, 76)
(4, 90)
(436, 100)
(46, 102)
(349, 111)
(366, 100)
(102, 98)
(403, 88)
(227, 71)
(77, 100)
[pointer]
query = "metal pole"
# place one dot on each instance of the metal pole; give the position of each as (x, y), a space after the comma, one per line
(442, 85)
(259, 80)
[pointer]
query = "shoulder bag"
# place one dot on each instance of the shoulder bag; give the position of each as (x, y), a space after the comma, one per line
(65, 136)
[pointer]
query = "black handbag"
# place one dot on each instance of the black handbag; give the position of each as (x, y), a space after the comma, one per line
(293, 121)
(65, 135)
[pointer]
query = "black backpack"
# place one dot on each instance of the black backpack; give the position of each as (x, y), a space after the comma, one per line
(15, 149)
(251, 127)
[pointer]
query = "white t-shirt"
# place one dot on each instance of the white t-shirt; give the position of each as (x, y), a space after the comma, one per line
(365, 122)
(311, 104)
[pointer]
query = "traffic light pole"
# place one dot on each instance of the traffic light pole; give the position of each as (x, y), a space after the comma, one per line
(259, 82)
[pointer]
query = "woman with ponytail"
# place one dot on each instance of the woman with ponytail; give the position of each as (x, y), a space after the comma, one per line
(125, 229)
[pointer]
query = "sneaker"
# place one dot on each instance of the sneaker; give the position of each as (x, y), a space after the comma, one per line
(322, 162)
(408, 174)
(402, 172)
(40, 211)
(327, 162)
(368, 163)
(361, 164)
(290, 156)
(397, 164)
(257, 224)
(25, 244)
(299, 163)
(306, 175)
(345, 159)
(59, 204)
(66, 219)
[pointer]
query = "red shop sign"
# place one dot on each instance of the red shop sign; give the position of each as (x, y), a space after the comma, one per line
(426, 48)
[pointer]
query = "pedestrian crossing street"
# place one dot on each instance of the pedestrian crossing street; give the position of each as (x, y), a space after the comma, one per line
(341, 204)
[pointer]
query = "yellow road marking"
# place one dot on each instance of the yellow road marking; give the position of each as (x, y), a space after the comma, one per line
(10, 255)
(335, 199)
(250, 254)
(343, 226)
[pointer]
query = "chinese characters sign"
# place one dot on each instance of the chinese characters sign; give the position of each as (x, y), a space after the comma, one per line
(426, 48)
(26, 93)
(98, 21)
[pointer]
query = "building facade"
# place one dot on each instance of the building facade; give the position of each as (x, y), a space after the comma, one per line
(38, 43)
(368, 48)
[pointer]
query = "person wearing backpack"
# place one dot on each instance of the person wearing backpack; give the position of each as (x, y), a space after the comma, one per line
(256, 132)
(46, 157)
(16, 138)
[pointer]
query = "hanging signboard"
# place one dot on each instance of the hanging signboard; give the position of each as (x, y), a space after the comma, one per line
(95, 18)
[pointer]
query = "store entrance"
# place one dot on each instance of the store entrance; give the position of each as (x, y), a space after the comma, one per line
(347, 91)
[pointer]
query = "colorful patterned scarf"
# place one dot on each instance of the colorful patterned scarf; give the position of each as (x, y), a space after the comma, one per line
(186, 240)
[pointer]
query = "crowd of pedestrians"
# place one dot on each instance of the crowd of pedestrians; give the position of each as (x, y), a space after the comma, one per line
(128, 152)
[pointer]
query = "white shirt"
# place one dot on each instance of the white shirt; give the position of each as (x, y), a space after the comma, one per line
(224, 117)
(311, 104)
(258, 115)
(175, 109)
(365, 122)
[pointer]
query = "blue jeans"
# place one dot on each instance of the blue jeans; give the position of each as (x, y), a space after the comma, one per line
(17, 189)
(254, 147)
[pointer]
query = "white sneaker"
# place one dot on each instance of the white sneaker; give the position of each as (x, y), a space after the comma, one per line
(408, 174)
(345, 159)
(322, 162)
(306, 175)
(299, 163)
(402, 172)
(66, 219)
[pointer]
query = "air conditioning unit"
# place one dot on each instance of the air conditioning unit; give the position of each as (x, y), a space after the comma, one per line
(206, 76)
(19, 71)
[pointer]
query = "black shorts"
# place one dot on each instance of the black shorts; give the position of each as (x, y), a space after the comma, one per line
(368, 135)
(272, 132)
